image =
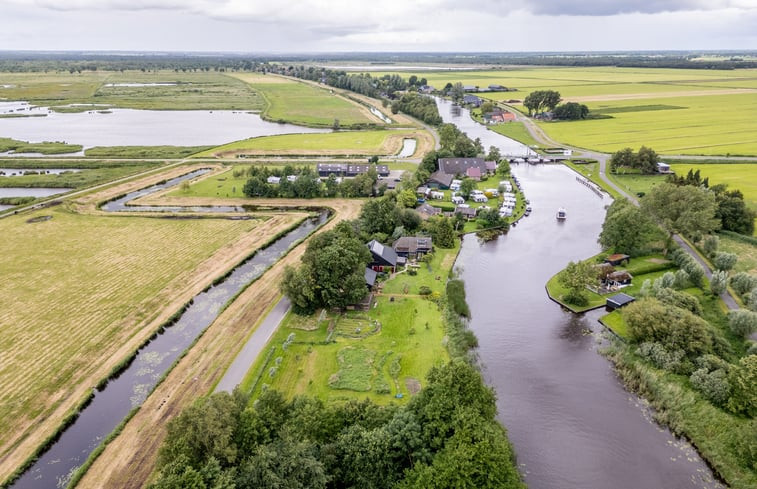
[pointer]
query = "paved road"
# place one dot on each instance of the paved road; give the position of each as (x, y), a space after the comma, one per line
(253, 347)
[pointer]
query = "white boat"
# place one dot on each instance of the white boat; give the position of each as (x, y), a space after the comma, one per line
(562, 214)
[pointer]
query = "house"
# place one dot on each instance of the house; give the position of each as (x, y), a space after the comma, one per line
(427, 89)
(663, 168)
(348, 170)
(467, 212)
(383, 258)
(470, 88)
(412, 247)
(472, 100)
(618, 278)
(617, 301)
(491, 167)
(617, 259)
(273, 179)
(497, 88)
(440, 180)
(370, 277)
(426, 211)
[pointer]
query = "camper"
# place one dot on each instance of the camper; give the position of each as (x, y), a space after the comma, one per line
(458, 200)
(480, 198)
(437, 195)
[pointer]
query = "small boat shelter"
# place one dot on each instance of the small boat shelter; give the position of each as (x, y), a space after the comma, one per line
(618, 300)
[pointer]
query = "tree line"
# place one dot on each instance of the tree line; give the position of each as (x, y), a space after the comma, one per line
(307, 184)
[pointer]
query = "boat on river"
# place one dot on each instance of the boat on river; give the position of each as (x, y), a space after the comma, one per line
(562, 214)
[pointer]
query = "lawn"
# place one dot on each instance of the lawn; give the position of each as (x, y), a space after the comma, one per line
(694, 112)
(83, 290)
(376, 354)
(746, 252)
(615, 322)
(738, 176)
(516, 131)
(635, 183)
(179, 91)
(349, 143)
(300, 103)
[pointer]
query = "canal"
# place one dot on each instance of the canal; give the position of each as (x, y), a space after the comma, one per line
(572, 423)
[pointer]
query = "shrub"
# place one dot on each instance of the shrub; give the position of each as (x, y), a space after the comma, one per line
(742, 322)
(710, 245)
(718, 282)
(695, 272)
(646, 288)
(713, 385)
(724, 261)
(751, 300)
(743, 380)
(680, 299)
(424, 290)
(743, 283)
(682, 280)
(668, 280)
(456, 297)
(657, 355)
(676, 329)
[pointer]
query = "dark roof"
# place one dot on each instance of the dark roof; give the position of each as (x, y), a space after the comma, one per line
(620, 300)
(466, 211)
(471, 99)
(382, 251)
(370, 277)
(428, 210)
(458, 166)
(410, 244)
(441, 178)
(620, 275)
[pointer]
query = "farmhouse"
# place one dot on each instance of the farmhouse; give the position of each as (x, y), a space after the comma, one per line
(472, 100)
(618, 300)
(497, 88)
(347, 170)
(470, 88)
(473, 173)
(412, 247)
(426, 211)
(383, 258)
(459, 166)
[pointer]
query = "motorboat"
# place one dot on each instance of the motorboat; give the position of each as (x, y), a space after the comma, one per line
(562, 214)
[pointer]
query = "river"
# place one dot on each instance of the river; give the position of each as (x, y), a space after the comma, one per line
(572, 423)
(129, 389)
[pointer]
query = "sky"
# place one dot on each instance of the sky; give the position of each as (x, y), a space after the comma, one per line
(299, 26)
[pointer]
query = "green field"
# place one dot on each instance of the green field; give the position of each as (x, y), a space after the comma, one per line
(46, 148)
(708, 112)
(301, 103)
(517, 131)
(81, 287)
(190, 91)
(375, 354)
(746, 252)
(92, 173)
(334, 143)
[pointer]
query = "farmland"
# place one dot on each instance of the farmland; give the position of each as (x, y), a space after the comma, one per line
(301, 103)
(674, 111)
(335, 143)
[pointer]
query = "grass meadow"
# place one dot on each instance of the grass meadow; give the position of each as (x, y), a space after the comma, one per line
(301, 103)
(375, 354)
(188, 91)
(707, 112)
(363, 143)
(81, 287)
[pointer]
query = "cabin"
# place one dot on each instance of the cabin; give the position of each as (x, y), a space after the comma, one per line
(412, 247)
(617, 259)
(383, 258)
(273, 179)
(617, 301)
(618, 278)
(426, 211)
(467, 212)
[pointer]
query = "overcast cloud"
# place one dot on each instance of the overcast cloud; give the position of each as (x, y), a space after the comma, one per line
(402, 25)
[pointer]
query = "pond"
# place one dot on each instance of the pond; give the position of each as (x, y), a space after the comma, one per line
(408, 148)
(129, 127)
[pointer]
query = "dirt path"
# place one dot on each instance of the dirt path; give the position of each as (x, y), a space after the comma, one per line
(129, 460)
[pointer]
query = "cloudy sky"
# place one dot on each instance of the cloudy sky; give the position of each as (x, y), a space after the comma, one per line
(267, 26)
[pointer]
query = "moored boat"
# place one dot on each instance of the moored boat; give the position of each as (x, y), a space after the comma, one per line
(562, 214)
